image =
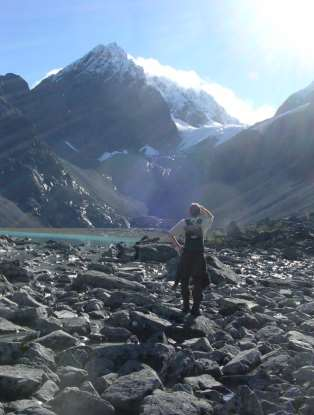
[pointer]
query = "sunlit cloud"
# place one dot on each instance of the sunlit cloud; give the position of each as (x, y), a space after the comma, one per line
(245, 110)
(49, 73)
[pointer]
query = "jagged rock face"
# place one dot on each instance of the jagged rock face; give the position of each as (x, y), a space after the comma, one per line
(38, 184)
(101, 103)
(33, 179)
(13, 88)
(196, 108)
(16, 131)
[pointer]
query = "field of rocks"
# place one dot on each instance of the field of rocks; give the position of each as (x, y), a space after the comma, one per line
(100, 331)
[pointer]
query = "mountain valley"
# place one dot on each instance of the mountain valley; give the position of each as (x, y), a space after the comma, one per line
(102, 142)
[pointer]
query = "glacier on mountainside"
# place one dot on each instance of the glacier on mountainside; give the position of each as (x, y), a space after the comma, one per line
(192, 135)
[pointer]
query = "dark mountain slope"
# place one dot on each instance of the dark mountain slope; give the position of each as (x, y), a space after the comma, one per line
(35, 181)
(100, 103)
(302, 97)
(267, 170)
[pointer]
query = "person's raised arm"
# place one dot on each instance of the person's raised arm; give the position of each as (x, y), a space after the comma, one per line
(207, 212)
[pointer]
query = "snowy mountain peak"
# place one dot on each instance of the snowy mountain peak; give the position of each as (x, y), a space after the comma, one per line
(192, 106)
(104, 59)
(112, 50)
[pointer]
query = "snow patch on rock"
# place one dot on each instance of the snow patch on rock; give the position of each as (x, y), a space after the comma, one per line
(193, 106)
(107, 155)
(149, 151)
(71, 146)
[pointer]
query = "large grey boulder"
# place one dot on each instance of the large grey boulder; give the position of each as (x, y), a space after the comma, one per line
(116, 353)
(11, 348)
(167, 311)
(75, 356)
(307, 308)
(30, 316)
(308, 326)
(115, 334)
(7, 327)
(47, 391)
(243, 362)
(99, 366)
(207, 366)
(79, 325)
(270, 333)
(24, 299)
(156, 252)
(202, 382)
(98, 279)
(174, 403)
(71, 376)
(15, 272)
(299, 341)
(122, 296)
(58, 340)
(8, 308)
(244, 402)
(147, 323)
(201, 344)
(220, 273)
(304, 374)
(19, 382)
(193, 328)
(72, 401)
(120, 318)
(159, 356)
(37, 355)
(182, 365)
(128, 392)
(230, 306)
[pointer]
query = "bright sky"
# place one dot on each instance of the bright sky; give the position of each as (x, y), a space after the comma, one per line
(250, 54)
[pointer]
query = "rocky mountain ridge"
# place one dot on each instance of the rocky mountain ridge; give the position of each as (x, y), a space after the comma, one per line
(299, 98)
(116, 137)
(100, 103)
(195, 107)
(33, 181)
(264, 171)
(104, 60)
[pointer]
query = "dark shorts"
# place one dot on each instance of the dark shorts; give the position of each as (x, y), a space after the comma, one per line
(193, 265)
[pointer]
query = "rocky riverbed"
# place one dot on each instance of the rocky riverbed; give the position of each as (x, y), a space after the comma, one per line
(100, 331)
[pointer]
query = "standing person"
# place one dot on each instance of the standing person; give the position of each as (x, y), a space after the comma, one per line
(192, 262)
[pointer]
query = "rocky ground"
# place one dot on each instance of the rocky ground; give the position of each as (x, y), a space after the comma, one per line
(100, 331)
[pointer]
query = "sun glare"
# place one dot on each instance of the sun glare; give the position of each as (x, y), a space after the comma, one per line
(288, 24)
